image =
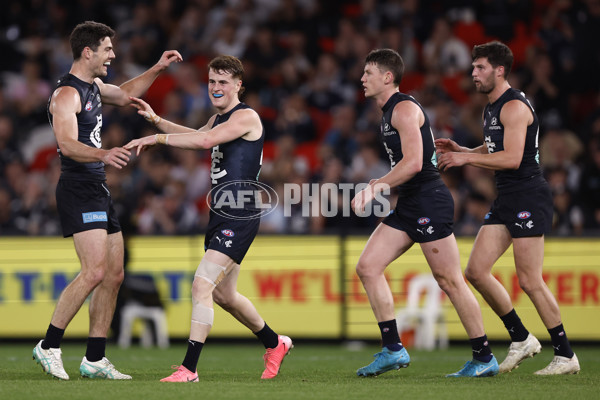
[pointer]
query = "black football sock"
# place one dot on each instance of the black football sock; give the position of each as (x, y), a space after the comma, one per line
(481, 349)
(96, 347)
(268, 338)
(389, 335)
(53, 337)
(192, 355)
(514, 326)
(560, 343)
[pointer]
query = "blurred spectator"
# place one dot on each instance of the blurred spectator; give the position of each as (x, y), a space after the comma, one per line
(445, 53)
(284, 165)
(303, 60)
(294, 119)
(367, 165)
(568, 217)
(562, 149)
(341, 138)
(589, 192)
(169, 213)
(547, 100)
(473, 211)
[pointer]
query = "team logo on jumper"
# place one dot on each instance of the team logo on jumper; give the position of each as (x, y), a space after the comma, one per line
(88, 106)
(228, 232)
(94, 216)
(423, 221)
(494, 121)
(524, 215)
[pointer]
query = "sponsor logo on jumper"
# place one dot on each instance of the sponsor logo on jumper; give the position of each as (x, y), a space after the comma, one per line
(388, 130)
(94, 216)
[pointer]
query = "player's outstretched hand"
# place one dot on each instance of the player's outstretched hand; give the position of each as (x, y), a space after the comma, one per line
(446, 145)
(117, 157)
(145, 110)
(141, 143)
(167, 58)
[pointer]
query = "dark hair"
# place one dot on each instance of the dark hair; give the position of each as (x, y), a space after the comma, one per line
(388, 60)
(497, 54)
(88, 34)
(229, 64)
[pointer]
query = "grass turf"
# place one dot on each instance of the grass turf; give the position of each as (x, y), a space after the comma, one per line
(232, 371)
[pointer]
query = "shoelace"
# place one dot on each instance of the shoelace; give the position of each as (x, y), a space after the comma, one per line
(55, 358)
(178, 372)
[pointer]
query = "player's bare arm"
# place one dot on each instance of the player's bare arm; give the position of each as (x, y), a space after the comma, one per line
(64, 106)
(120, 95)
(515, 117)
(407, 118)
(243, 123)
(164, 125)
(443, 145)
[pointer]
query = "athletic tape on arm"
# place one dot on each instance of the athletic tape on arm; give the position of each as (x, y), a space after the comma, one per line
(209, 271)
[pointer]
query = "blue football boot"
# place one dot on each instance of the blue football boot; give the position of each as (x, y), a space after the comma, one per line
(386, 360)
(477, 369)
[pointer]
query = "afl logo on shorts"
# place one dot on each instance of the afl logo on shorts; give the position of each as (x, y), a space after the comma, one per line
(524, 215)
(88, 106)
(228, 232)
(423, 221)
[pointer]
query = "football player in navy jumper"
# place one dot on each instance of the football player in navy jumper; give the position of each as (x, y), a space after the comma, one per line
(521, 213)
(83, 200)
(423, 214)
(235, 136)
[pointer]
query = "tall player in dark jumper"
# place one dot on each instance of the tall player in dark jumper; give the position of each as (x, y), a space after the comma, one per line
(423, 214)
(521, 213)
(83, 200)
(236, 135)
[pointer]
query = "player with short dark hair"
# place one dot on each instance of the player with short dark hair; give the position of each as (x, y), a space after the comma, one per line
(84, 204)
(236, 135)
(521, 214)
(424, 214)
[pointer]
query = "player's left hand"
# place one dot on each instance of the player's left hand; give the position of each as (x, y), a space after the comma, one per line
(362, 198)
(141, 143)
(145, 110)
(451, 159)
(167, 58)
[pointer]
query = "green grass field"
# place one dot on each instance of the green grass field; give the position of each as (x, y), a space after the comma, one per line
(327, 371)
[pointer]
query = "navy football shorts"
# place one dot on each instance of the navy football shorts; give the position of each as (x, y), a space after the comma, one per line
(524, 213)
(425, 216)
(85, 205)
(232, 235)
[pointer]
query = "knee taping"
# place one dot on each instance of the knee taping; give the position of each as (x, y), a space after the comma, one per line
(202, 314)
(211, 272)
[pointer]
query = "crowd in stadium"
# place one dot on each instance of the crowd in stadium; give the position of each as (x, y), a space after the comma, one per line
(303, 61)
